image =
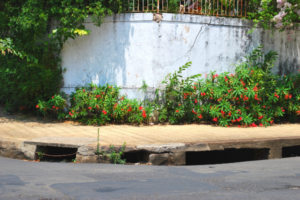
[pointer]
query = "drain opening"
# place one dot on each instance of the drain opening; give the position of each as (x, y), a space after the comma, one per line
(56, 154)
(136, 157)
(226, 156)
(290, 151)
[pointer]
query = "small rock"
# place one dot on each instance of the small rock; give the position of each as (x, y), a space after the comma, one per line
(85, 151)
(159, 159)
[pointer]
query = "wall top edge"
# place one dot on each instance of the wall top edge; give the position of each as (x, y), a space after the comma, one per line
(178, 18)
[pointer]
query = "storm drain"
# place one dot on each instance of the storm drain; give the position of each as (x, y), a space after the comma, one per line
(55, 154)
(136, 156)
(226, 156)
(290, 151)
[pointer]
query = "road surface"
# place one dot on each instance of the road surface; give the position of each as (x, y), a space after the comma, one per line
(268, 179)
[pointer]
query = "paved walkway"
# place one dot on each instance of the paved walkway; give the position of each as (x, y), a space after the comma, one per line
(24, 130)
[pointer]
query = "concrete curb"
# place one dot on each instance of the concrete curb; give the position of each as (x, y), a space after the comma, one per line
(157, 154)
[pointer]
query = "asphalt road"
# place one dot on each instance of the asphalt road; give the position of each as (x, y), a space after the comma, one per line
(269, 179)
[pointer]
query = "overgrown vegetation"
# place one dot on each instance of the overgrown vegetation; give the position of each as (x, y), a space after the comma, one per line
(30, 67)
(29, 62)
(116, 157)
(252, 96)
(281, 14)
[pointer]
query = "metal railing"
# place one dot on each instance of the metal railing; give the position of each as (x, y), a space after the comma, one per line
(228, 8)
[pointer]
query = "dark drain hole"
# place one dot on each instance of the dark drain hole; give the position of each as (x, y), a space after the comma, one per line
(56, 154)
(136, 157)
(226, 156)
(290, 151)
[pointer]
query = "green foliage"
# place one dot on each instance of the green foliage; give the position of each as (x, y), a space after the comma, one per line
(144, 87)
(271, 14)
(98, 105)
(117, 157)
(29, 61)
(23, 83)
(40, 155)
(251, 96)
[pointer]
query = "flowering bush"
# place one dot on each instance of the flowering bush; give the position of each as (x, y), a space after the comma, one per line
(282, 14)
(252, 96)
(98, 105)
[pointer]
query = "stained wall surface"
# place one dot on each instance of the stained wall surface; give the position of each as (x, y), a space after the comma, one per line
(129, 48)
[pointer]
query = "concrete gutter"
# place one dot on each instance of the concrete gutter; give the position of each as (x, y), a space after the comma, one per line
(170, 154)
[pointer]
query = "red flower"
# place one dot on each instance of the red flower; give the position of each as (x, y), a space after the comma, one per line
(239, 126)
(222, 112)
(243, 83)
(73, 111)
(73, 98)
(53, 107)
(271, 121)
(122, 98)
(52, 97)
(179, 104)
(129, 109)
(260, 124)
(290, 96)
(229, 114)
(98, 96)
(215, 119)
(286, 96)
(122, 109)
(37, 106)
(83, 90)
(239, 119)
(90, 108)
(203, 93)
(57, 108)
(196, 101)
(70, 114)
(104, 112)
(177, 111)
(253, 125)
(260, 117)
(237, 98)
(144, 114)
(215, 76)
(195, 87)
(184, 97)
(200, 116)
(140, 108)
(255, 88)
(264, 106)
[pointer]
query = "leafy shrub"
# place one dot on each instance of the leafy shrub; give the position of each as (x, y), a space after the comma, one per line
(29, 63)
(99, 105)
(23, 83)
(252, 96)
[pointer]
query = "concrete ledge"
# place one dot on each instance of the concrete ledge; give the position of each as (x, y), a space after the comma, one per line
(158, 154)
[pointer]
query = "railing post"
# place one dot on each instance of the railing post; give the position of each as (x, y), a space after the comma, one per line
(157, 6)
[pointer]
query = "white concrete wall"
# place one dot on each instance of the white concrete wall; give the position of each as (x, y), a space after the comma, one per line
(129, 48)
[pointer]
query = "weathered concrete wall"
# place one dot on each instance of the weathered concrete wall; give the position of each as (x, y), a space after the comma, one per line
(129, 48)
